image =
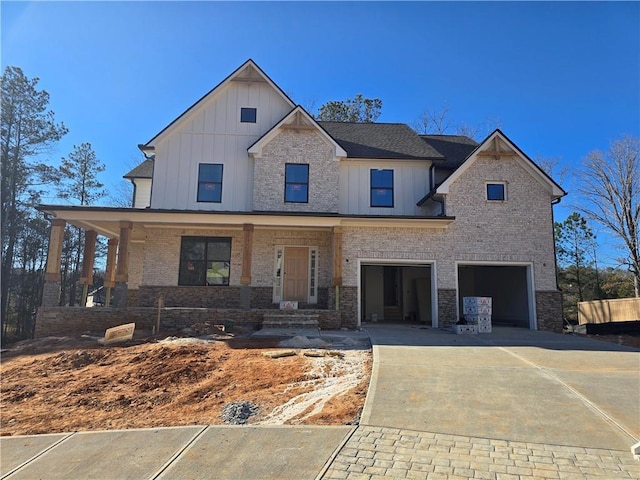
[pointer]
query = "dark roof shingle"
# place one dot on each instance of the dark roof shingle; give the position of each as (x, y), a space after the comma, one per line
(380, 140)
(144, 170)
(455, 148)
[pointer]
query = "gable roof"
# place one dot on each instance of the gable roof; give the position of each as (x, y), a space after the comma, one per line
(455, 148)
(484, 148)
(245, 69)
(296, 118)
(380, 140)
(144, 170)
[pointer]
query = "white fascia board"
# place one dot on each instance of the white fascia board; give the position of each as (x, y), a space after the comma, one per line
(554, 190)
(108, 220)
(210, 95)
(255, 150)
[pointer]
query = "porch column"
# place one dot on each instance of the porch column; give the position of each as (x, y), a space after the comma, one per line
(86, 278)
(110, 274)
(337, 263)
(245, 279)
(52, 276)
(122, 267)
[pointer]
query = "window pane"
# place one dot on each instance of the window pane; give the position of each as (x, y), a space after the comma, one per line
(381, 197)
(296, 193)
(382, 178)
(495, 191)
(248, 115)
(209, 192)
(192, 249)
(219, 250)
(297, 173)
(217, 273)
(191, 272)
(210, 172)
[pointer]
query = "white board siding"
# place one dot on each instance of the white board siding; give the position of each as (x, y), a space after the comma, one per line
(214, 134)
(410, 179)
(142, 192)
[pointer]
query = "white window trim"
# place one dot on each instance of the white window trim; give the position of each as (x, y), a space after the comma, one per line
(486, 191)
(247, 107)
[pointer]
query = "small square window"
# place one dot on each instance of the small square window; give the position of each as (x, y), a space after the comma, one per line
(210, 182)
(496, 192)
(248, 115)
(382, 188)
(296, 183)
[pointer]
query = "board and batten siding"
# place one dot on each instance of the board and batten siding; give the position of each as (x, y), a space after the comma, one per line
(142, 197)
(410, 184)
(213, 133)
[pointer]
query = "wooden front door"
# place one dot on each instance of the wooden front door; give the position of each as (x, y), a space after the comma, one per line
(296, 273)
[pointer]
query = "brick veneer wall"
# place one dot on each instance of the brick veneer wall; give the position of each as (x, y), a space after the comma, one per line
(349, 306)
(549, 310)
(296, 147)
(58, 321)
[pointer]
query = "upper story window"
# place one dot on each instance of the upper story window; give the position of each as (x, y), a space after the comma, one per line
(210, 182)
(296, 183)
(381, 188)
(496, 192)
(205, 261)
(248, 115)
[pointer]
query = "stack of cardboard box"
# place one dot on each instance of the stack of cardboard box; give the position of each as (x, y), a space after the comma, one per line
(477, 311)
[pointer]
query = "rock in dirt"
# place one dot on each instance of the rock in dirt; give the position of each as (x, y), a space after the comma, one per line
(237, 413)
(279, 353)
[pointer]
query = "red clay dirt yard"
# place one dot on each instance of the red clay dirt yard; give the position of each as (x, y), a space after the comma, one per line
(64, 384)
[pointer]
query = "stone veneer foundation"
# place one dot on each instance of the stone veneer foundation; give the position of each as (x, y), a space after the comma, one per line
(57, 321)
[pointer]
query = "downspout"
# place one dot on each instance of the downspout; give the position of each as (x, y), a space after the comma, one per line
(432, 182)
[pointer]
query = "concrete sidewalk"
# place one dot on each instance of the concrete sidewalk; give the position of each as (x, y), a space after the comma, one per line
(198, 452)
(513, 404)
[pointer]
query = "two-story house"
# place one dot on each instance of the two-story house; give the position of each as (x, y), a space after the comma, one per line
(245, 200)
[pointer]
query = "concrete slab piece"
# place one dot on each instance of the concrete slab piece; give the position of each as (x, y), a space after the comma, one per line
(17, 450)
(265, 453)
(121, 454)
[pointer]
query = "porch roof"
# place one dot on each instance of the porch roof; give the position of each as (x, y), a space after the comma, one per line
(106, 220)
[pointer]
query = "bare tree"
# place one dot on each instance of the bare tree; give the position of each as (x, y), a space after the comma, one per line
(553, 167)
(434, 122)
(440, 122)
(611, 184)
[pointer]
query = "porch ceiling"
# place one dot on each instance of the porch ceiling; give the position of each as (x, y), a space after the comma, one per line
(106, 220)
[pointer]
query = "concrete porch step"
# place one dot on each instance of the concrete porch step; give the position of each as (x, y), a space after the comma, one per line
(291, 320)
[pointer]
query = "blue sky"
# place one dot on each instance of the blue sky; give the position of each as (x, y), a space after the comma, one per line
(560, 79)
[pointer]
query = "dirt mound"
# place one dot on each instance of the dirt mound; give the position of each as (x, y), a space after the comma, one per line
(61, 385)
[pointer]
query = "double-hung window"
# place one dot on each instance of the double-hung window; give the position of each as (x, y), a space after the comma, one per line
(381, 188)
(205, 261)
(210, 182)
(296, 183)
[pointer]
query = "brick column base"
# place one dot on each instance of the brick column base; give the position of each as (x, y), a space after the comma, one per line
(446, 307)
(120, 295)
(51, 294)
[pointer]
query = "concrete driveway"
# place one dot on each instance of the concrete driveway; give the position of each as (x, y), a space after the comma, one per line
(512, 384)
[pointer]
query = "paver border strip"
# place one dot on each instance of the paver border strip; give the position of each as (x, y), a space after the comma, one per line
(336, 452)
(38, 455)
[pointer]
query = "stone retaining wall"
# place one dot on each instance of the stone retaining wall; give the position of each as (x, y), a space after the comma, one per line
(62, 321)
